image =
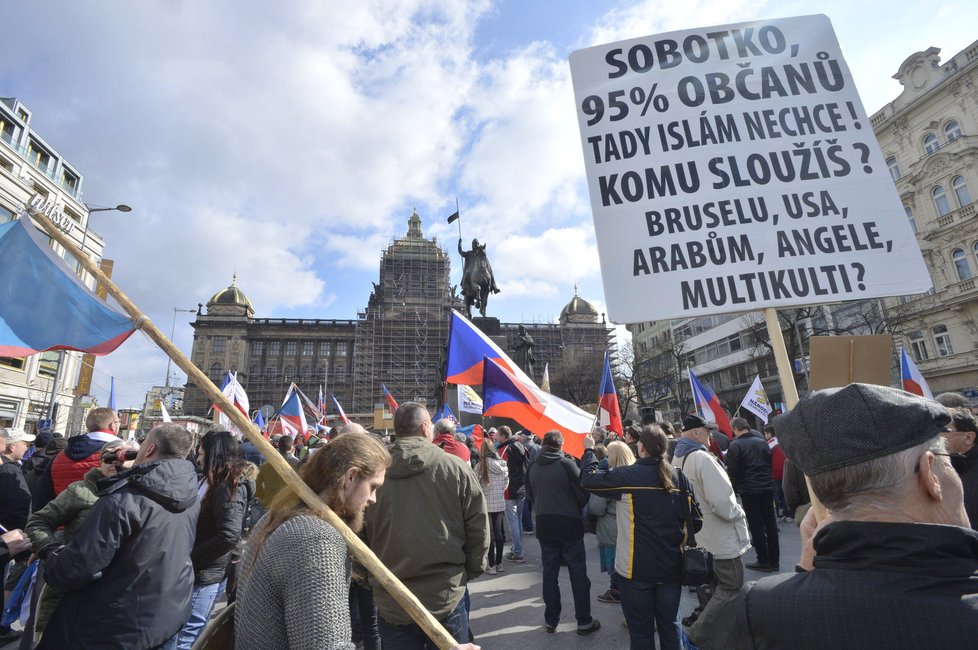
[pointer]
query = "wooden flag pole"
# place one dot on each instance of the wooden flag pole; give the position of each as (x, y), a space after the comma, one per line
(788, 388)
(411, 605)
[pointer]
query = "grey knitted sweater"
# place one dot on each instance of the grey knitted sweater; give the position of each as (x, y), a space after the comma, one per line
(296, 595)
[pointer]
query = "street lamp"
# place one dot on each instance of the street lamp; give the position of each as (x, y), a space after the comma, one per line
(122, 207)
(173, 329)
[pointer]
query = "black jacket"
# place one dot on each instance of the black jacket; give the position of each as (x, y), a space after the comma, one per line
(748, 463)
(875, 585)
(127, 573)
(967, 468)
(517, 461)
(218, 532)
(660, 520)
(553, 484)
(15, 498)
(35, 465)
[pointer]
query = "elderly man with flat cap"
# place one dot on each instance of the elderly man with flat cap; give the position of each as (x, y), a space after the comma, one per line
(895, 565)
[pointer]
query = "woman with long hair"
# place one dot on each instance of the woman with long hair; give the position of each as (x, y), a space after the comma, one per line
(223, 503)
(655, 514)
(493, 475)
(287, 600)
(606, 530)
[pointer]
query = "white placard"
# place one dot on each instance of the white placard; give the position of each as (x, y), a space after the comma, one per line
(733, 168)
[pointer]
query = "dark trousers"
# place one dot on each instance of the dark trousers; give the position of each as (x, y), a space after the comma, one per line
(552, 553)
(647, 606)
(779, 501)
(412, 637)
(363, 617)
(528, 516)
(497, 538)
(763, 526)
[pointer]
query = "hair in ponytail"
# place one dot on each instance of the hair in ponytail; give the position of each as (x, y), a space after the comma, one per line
(655, 443)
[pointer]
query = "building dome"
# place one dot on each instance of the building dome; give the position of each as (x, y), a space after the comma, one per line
(230, 297)
(578, 310)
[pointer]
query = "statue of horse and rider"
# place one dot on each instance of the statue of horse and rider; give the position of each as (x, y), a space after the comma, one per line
(477, 279)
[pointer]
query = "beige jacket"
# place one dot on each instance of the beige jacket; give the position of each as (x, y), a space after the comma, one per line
(724, 530)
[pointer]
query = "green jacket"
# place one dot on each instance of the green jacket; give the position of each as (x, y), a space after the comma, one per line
(68, 509)
(429, 526)
(606, 510)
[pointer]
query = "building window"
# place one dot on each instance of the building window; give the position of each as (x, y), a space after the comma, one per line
(931, 144)
(894, 168)
(271, 371)
(215, 370)
(6, 215)
(305, 373)
(274, 348)
(913, 222)
(287, 373)
(253, 371)
(961, 264)
(291, 348)
(307, 348)
(919, 346)
(257, 347)
(341, 349)
(324, 349)
(940, 201)
(48, 366)
(17, 363)
(952, 131)
(219, 344)
(961, 193)
(942, 340)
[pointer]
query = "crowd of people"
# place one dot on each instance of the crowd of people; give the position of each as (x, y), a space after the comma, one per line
(132, 545)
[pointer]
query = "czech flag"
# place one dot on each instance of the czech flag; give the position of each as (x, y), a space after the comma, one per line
(291, 415)
(913, 381)
(467, 347)
(709, 405)
(45, 306)
(506, 395)
(321, 405)
(260, 421)
(391, 402)
(339, 409)
(609, 413)
(236, 394)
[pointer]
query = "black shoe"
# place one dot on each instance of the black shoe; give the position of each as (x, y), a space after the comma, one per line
(695, 614)
(551, 630)
(594, 627)
(10, 636)
(764, 568)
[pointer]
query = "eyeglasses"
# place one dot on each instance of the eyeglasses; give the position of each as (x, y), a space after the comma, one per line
(940, 453)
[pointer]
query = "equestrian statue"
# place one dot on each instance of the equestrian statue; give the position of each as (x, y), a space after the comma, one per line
(477, 278)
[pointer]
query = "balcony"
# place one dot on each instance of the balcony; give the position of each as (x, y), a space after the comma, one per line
(953, 218)
(964, 286)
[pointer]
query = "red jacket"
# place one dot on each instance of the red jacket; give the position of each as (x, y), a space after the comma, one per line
(777, 460)
(448, 442)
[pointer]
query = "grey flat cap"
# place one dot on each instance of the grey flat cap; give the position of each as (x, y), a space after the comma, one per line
(838, 427)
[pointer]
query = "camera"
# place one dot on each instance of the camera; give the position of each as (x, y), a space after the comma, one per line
(121, 455)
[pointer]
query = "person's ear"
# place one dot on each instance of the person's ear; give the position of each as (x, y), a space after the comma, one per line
(350, 477)
(927, 476)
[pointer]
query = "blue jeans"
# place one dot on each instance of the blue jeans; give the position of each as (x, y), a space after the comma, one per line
(412, 637)
(552, 552)
(514, 515)
(201, 603)
(640, 598)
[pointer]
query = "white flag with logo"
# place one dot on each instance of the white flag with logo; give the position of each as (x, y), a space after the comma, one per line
(468, 400)
(756, 400)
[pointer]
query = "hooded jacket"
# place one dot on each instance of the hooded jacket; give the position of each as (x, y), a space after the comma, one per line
(517, 462)
(967, 469)
(429, 526)
(554, 487)
(81, 454)
(15, 498)
(68, 509)
(127, 572)
(724, 531)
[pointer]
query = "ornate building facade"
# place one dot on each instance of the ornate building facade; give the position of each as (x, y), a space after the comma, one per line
(929, 138)
(398, 339)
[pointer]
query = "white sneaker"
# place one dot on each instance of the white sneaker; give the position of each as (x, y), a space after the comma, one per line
(491, 570)
(499, 567)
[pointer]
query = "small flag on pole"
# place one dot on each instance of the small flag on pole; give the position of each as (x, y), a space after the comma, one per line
(339, 409)
(112, 394)
(913, 381)
(755, 400)
(443, 413)
(452, 218)
(391, 402)
(321, 404)
(291, 415)
(609, 413)
(260, 421)
(469, 400)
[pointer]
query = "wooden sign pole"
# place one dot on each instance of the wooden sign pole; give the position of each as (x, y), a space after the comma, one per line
(789, 390)
(411, 605)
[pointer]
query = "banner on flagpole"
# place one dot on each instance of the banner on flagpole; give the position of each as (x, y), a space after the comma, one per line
(755, 400)
(469, 400)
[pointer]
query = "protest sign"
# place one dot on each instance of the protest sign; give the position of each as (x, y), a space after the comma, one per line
(733, 168)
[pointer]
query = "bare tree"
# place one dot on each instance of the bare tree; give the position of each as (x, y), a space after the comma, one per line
(578, 378)
(659, 378)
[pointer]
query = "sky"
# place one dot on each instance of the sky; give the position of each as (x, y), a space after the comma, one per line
(289, 142)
